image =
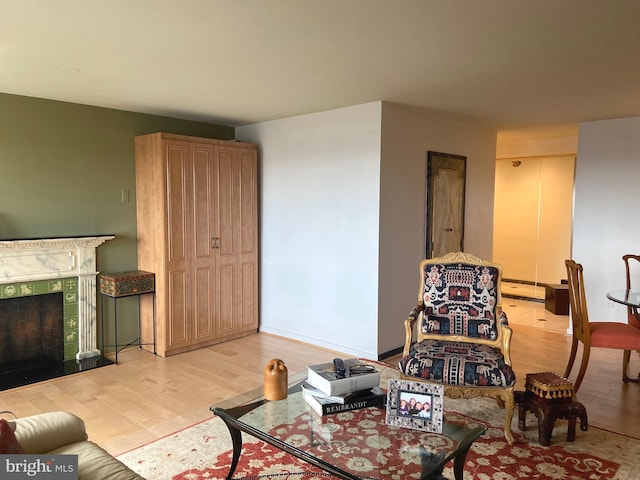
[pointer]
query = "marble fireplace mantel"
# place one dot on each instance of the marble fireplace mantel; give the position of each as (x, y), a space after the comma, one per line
(25, 261)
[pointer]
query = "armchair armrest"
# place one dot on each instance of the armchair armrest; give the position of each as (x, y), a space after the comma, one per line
(506, 337)
(408, 327)
(48, 431)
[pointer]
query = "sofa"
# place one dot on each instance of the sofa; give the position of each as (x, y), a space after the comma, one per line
(65, 433)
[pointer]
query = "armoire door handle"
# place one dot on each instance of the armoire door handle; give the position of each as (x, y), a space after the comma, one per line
(215, 242)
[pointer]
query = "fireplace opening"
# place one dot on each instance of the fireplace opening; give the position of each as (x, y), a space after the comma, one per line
(32, 341)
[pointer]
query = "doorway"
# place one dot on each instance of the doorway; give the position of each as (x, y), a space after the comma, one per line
(532, 218)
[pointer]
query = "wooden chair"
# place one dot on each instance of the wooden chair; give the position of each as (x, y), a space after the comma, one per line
(632, 319)
(613, 335)
(463, 337)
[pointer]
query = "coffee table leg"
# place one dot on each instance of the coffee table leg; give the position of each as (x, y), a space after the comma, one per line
(458, 464)
(236, 439)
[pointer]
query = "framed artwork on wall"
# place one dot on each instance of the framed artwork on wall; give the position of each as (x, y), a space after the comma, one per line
(444, 213)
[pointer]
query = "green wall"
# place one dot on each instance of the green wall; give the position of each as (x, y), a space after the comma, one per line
(63, 168)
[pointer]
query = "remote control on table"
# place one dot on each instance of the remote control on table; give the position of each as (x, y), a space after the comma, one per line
(340, 369)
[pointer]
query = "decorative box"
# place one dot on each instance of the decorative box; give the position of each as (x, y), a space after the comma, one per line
(549, 387)
(122, 284)
(556, 299)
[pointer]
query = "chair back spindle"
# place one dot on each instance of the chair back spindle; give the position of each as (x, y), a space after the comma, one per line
(578, 302)
(630, 269)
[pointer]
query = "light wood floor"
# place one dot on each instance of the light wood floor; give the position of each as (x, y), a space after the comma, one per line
(146, 397)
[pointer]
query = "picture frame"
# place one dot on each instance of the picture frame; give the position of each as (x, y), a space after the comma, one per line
(445, 203)
(401, 393)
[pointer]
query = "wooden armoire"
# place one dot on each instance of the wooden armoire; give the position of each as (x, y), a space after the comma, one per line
(197, 217)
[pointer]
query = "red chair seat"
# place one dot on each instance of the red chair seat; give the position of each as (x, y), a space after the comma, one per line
(615, 335)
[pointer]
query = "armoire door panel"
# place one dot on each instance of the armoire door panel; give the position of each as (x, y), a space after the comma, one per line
(178, 330)
(204, 305)
(202, 157)
(178, 179)
(247, 204)
(248, 294)
(227, 295)
(226, 202)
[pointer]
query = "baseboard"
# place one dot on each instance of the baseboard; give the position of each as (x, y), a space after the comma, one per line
(390, 353)
(524, 282)
(522, 297)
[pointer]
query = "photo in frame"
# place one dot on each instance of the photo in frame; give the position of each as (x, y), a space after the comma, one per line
(416, 405)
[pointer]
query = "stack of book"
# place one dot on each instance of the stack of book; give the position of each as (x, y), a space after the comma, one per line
(327, 391)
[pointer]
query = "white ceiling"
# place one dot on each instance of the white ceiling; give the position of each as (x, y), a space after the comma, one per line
(513, 65)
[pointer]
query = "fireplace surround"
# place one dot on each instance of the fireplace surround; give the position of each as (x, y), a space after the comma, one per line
(49, 265)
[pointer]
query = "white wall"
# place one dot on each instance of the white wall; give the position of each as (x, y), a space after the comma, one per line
(342, 224)
(408, 133)
(320, 178)
(607, 206)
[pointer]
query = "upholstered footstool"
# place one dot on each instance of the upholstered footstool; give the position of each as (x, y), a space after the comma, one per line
(550, 397)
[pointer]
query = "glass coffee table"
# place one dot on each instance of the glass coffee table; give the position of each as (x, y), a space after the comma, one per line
(352, 445)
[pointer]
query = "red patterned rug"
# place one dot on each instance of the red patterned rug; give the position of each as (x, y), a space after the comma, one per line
(203, 451)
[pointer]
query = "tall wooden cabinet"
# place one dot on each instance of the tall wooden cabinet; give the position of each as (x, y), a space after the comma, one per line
(198, 232)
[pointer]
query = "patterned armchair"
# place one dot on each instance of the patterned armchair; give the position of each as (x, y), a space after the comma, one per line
(463, 336)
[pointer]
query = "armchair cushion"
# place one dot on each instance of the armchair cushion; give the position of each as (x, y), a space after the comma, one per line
(458, 363)
(460, 299)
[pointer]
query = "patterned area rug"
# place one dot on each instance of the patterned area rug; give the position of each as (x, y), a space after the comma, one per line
(203, 451)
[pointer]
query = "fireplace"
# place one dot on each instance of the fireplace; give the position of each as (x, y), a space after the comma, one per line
(31, 327)
(66, 269)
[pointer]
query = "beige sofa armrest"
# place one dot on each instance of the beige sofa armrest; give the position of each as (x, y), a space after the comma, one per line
(48, 431)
